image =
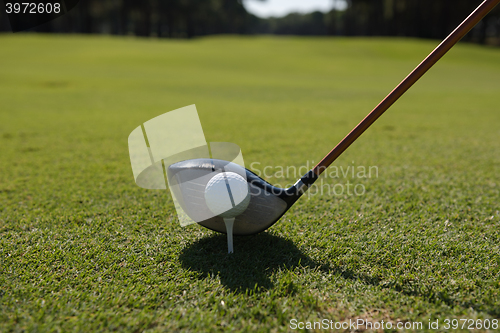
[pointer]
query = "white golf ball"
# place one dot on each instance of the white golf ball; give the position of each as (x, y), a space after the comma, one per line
(227, 202)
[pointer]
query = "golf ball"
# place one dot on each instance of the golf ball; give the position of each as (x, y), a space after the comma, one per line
(227, 195)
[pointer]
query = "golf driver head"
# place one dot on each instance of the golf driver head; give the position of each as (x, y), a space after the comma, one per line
(188, 180)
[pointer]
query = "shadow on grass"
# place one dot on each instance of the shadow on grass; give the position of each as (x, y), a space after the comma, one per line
(257, 257)
(254, 260)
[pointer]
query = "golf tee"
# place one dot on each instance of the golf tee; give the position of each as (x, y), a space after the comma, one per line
(229, 230)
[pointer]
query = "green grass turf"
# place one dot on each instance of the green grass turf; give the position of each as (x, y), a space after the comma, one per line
(82, 248)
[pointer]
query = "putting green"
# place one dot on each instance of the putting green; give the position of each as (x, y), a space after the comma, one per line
(404, 227)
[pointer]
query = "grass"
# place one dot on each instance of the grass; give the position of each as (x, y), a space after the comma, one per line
(82, 248)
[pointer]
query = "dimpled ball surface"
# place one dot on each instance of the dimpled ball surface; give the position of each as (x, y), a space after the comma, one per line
(218, 198)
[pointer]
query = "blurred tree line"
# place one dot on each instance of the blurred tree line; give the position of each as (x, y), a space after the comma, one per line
(190, 18)
(412, 18)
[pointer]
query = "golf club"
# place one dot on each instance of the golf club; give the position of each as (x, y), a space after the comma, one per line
(268, 203)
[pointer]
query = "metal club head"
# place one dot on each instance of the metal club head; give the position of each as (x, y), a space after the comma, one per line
(188, 180)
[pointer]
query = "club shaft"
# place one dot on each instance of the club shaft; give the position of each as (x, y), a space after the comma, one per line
(413, 77)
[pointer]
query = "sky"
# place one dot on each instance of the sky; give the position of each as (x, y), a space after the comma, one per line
(282, 7)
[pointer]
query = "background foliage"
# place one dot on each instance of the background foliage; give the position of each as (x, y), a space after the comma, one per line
(189, 18)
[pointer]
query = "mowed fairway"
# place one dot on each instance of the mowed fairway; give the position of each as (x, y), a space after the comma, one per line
(82, 248)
